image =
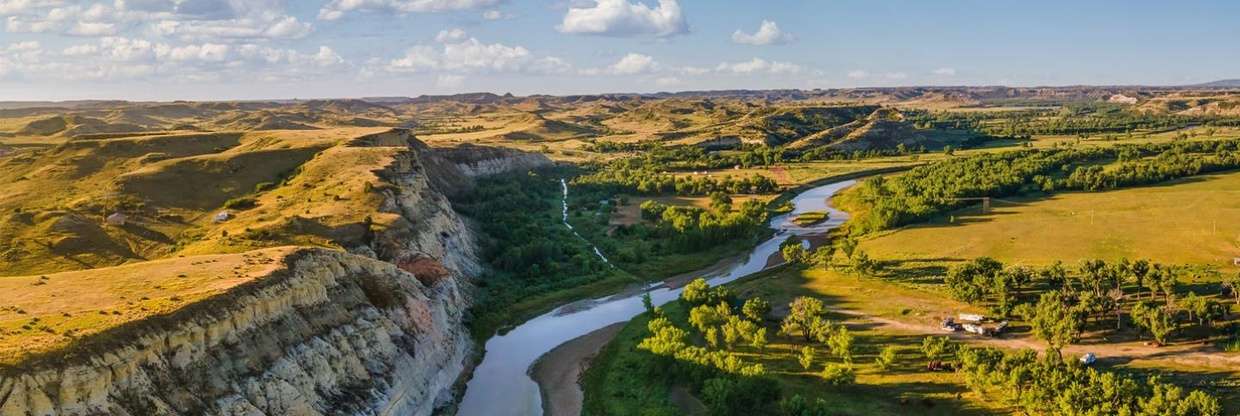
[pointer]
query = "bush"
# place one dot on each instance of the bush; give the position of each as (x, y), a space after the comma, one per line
(744, 396)
(241, 203)
(887, 357)
(838, 375)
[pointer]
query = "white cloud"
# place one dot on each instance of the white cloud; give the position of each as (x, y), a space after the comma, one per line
(337, 8)
(450, 81)
(858, 74)
(630, 64)
(451, 35)
(285, 27)
(114, 58)
(457, 52)
(759, 65)
(664, 82)
(495, 15)
(768, 34)
(947, 72)
(621, 18)
(895, 75)
(190, 20)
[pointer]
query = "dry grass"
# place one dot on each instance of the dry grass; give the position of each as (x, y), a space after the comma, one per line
(41, 313)
(1196, 220)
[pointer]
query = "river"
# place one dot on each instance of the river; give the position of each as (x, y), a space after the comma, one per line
(501, 386)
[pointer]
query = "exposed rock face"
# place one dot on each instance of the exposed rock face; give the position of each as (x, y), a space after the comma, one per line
(477, 161)
(333, 333)
(377, 330)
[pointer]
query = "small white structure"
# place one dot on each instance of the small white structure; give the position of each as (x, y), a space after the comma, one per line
(1235, 261)
(223, 216)
(117, 219)
(971, 317)
(1089, 358)
(975, 329)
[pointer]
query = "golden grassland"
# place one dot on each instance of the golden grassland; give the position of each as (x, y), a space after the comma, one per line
(1194, 220)
(40, 313)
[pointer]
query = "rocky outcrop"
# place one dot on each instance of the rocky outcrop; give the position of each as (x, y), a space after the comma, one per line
(331, 333)
(374, 330)
(477, 161)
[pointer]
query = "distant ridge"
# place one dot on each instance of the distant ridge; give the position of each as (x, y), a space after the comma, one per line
(1222, 83)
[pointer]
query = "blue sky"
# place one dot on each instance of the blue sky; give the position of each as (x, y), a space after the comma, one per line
(251, 49)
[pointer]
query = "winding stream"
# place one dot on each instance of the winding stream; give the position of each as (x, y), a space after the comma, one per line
(500, 385)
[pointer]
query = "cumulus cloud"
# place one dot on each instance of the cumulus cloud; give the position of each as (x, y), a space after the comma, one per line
(768, 34)
(759, 65)
(186, 19)
(458, 52)
(621, 18)
(114, 58)
(946, 72)
(336, 9)
(630, 64)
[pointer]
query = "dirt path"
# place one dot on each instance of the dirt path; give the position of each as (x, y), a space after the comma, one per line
(1193, 354)
(558, 372)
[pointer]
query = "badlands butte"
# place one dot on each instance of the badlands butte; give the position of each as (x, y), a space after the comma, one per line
(332, 257)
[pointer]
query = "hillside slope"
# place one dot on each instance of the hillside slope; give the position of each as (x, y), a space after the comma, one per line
(244, 316)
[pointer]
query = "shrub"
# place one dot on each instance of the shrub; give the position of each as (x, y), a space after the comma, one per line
(887, 357)
(241, 203)
(838, 375)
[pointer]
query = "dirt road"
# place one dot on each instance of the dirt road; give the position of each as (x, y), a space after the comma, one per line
(1192, 354)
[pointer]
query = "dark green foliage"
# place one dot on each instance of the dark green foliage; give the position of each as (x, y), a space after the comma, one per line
(935, 189)
(1053, 385)
(740, 396)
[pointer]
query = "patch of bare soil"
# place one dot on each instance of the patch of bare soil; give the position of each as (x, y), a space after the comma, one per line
(558, 372)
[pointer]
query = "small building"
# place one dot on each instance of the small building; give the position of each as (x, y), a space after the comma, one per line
(117, 219)
(223, 216)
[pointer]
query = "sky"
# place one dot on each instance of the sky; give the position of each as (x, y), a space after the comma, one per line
(268, 49)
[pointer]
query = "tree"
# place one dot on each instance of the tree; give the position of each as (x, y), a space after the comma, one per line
(807, 357)
(758, 340)
(933, 347)
(1154, 318)
(848, 245)
(697, 292)
(887, 357)
(1054, 322)
(755, 309)
(648, 303)
(838, 375)
(841, 343)
(793, 251)
(801, 314)
(720, 202)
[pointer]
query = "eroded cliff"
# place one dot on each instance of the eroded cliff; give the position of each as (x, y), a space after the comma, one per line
(374, 329)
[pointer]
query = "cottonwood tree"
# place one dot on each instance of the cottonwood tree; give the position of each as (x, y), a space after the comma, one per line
(1053, 321)
(802, 313)
(841, 344)
(933, 347)
(755, 309)
(807, 357)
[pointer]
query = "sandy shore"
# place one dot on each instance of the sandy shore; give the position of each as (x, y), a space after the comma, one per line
(558, 372)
